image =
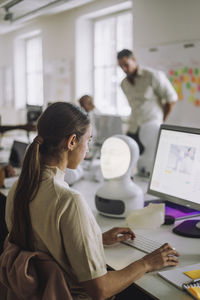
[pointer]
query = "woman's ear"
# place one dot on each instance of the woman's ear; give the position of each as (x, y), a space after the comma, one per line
(71, 142)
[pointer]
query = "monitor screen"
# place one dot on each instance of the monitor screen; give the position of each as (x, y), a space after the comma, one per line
(175, 174)
(17, 153)
(33, 113)
(107, 126)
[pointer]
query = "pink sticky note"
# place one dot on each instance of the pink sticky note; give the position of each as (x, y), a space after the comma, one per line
(190, 71)
(171, 72)
(198, 88)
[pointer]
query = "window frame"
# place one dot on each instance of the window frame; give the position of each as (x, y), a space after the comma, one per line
(26, 40)
(115, 66)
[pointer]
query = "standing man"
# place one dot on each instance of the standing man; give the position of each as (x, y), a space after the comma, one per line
(149, 93)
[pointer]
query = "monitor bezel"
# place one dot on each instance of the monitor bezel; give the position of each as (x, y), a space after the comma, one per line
(164, 196)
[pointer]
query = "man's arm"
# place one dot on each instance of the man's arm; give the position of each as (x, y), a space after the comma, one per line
(167, 108)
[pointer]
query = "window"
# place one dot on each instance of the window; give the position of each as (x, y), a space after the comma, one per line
(34, 74)
(28, 70)
(111, 35)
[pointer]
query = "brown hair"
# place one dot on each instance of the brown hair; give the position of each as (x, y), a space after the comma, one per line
(123, 53)
(56, 123)
(85, 97)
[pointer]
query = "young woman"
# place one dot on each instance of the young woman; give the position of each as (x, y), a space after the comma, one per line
(44, 214)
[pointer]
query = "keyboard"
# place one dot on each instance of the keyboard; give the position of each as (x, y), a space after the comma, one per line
(143, 243)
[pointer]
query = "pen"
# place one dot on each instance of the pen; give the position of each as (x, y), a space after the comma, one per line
(192, 281)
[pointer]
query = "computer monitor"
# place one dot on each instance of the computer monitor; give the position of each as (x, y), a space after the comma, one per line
(176, 170)
(33, 113)
(17, 153)
(106, 126)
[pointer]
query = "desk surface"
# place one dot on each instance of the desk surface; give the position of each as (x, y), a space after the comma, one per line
(120, 255)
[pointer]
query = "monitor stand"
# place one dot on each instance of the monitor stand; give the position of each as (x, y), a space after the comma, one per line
(189, 228)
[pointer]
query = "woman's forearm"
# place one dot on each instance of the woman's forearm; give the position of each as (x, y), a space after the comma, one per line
(115, 281)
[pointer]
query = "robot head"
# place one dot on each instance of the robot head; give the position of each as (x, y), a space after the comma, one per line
(119, 155)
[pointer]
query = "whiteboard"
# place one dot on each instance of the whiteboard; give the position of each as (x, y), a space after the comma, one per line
(57, 78)
(181, 63)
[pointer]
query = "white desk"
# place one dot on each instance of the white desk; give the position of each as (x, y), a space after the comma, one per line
(119, 256)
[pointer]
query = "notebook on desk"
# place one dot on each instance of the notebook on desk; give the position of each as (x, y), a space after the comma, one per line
(176, 276)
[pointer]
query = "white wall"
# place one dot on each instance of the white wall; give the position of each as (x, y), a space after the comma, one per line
(161, 22)
(165, 21)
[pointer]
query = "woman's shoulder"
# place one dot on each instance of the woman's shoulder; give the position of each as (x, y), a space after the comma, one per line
(67, 195)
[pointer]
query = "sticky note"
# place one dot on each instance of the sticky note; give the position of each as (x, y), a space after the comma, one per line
(196, 71)
(195, 291)
(180, 71)
(193, 274)
(171, 72)
(176, 81)
(190, 71)
(192, 90)
(191, 98)
(193, 79)
(197, 102)
(188, 85)
(180, 96)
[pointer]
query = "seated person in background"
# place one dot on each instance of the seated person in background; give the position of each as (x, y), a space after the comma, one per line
(87, 103)
(43, 213)
(6, 172)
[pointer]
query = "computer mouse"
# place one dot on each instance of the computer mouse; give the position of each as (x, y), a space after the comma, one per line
(169, 220)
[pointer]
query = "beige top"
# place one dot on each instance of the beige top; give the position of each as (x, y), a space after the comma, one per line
(151, 90)
(65, 227)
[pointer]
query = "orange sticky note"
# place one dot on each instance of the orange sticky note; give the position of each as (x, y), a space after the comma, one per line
(195, 290)
(192, 90)
(197, 102)
(193, 79)
(193, 274)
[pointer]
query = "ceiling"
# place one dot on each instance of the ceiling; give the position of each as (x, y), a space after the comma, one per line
(14, 13)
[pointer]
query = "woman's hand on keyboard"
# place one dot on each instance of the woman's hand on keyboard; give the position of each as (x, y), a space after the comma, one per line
(117, 234)
(160, 258)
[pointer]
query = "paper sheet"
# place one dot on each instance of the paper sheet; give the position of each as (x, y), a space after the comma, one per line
(151, 216)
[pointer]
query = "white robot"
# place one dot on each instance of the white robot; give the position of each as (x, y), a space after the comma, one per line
(118, 195)
(148, 135)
